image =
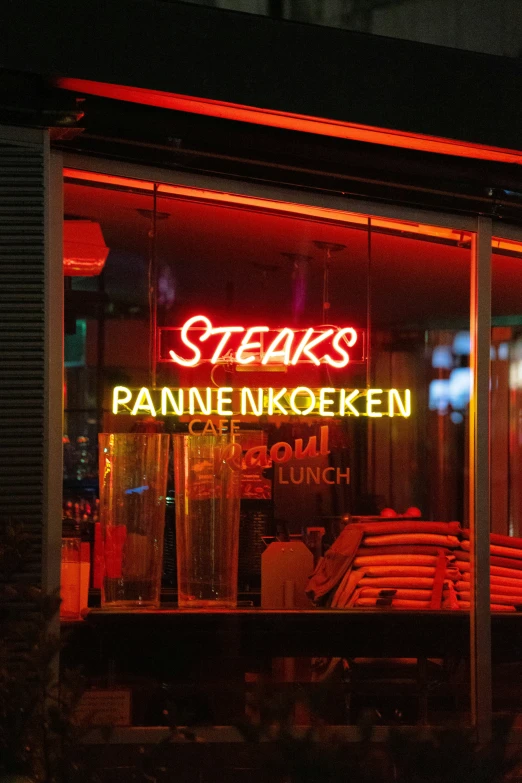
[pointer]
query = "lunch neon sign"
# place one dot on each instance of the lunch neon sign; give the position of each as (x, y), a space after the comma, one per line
(263, 401)
(198, 341)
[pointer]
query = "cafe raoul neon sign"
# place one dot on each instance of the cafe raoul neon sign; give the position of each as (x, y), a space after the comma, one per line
(260, 348)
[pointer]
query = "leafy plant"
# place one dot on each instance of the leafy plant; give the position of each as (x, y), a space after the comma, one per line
(36, 730)
(318, 754)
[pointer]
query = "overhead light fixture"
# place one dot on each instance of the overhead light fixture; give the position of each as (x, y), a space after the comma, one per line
(84, 249)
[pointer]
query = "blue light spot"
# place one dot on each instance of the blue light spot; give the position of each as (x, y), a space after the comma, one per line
(460, 387)
(439, 396)
(462, 344)
(441, 358)
(503, 352)
(136, 491)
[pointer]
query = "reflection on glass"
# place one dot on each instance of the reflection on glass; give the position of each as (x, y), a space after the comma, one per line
(208, 490)
(133, 482)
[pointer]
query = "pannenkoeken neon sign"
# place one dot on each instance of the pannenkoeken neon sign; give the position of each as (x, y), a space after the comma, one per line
(199, 341)
(262, 401)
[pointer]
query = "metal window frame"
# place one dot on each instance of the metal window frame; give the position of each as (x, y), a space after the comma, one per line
(54, 342)
(479, 479)
(291, 195)
(481, 229)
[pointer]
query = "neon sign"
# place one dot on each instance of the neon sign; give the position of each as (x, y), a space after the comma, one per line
(198, 341)
(263, 401)
(260, 457)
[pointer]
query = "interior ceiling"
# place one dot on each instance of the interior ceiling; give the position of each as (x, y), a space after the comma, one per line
(225, 259)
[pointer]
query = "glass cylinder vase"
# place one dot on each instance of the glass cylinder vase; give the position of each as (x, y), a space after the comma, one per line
(133, 484)
(70, 575)
(207, 477)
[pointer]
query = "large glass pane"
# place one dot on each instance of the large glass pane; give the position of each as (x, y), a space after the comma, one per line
(506, 509)
(106, 339)
(333, 350)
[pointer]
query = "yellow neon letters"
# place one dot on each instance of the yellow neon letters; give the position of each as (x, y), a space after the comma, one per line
(325, 402)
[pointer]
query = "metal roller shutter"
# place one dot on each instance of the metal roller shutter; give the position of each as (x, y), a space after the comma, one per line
(22, 340)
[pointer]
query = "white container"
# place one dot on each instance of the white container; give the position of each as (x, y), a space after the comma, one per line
(286, 567)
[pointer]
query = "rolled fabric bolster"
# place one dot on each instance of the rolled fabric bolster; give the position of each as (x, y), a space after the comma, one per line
(498, 581)
(406, 549)
(496, 587)
(371, 559)
(500, 551)
(494, 607)
(466, 576)
(503, 562)
(409, 538)
(498, 538)
(423, 583)
(394, 576)
(405, 594)
(400, 570)
(495, 598)
(509, 572)
(493, 570)
(506, 581)
(504, 551)
(506, 562)
(380, 528)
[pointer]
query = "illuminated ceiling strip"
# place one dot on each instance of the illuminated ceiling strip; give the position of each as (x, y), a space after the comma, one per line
(506, 244)
(233, 199)
(295, 122)
(300, 210)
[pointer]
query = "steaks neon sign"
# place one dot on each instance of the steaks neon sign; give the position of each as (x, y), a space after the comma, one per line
(198, 341)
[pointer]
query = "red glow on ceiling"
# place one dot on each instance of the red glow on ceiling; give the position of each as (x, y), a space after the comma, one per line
(353, 219)
(295, 122)
(271, 205)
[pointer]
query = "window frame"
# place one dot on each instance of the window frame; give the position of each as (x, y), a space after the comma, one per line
(481, 230)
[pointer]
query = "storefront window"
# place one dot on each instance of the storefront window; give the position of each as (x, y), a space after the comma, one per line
(506, 511)
(334, 348)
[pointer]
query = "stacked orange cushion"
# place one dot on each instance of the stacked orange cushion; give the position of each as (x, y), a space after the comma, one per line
(413, 565)
(397, 564)
(505, 572)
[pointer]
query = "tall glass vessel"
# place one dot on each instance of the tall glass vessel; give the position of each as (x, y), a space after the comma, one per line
(133, 483)
(207, 473)
(70, 573)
